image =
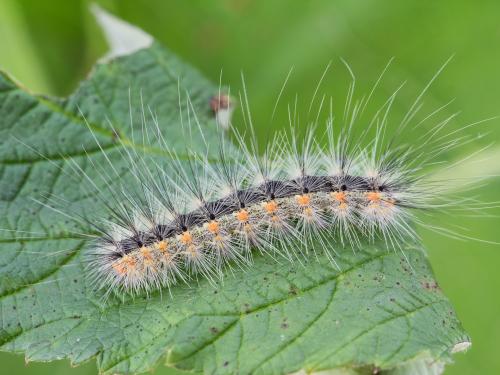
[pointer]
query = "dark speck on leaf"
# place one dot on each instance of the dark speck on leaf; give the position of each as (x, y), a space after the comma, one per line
(246, 308)
(214, 330)
(431, 286)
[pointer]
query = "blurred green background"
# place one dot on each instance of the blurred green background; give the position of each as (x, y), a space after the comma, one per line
(51, 45)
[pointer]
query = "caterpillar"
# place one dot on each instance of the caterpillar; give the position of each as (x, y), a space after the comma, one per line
(196, 216)
(259, 204)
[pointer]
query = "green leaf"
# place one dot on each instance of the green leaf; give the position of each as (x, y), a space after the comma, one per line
(379, 311)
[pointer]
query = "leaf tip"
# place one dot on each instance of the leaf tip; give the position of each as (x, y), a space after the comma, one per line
(461, 347)
(122, 37)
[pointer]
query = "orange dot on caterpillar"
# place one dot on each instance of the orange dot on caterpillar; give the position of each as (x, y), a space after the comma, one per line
(186, 238)
(213, 227)
(270, 207)
(343, 206)
(303, 200)
(146, 255)
(308, 212)
(162, 246)
(242, 215)
(374, 196)
(339, 196)
(119, 268)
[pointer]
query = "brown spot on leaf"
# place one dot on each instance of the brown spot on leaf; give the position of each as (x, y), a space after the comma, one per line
(431, 286)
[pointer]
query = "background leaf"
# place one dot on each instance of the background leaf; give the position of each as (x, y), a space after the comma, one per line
(276, 318)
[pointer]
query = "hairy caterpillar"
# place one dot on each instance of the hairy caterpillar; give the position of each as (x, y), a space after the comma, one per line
(196, 216)
(261, 204)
